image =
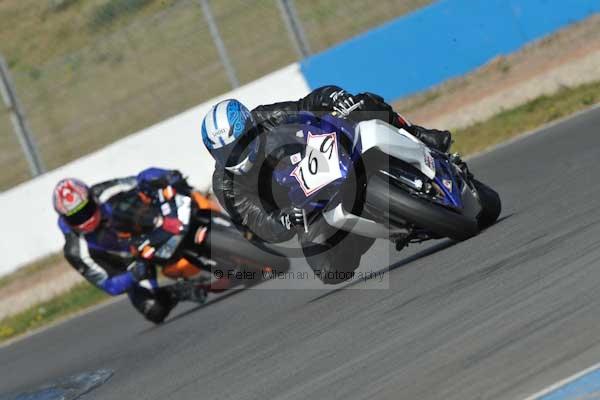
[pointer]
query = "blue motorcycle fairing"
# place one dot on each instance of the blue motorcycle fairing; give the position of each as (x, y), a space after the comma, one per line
(350, 150)
(445, 176)
(348, 153)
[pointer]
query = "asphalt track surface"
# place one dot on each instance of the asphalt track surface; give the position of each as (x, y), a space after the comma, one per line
(499, 316)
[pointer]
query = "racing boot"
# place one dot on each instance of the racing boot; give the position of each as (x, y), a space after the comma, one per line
(155, 305)
(158, 308)
(436, 139)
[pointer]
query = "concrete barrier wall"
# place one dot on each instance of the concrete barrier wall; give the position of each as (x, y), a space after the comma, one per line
(446, 39)
(406, 55)
(29, 229)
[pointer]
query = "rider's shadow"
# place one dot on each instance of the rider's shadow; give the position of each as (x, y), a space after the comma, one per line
(424, 253)
(447, 243)
(194, 309)
(443, 245)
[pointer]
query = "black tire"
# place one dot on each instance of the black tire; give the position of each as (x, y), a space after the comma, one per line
(395, 203)
(229, 246)
(490, 202)
(157, 314)
(157, 310)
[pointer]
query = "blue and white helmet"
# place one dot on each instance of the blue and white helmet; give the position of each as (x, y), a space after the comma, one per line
(227, 134)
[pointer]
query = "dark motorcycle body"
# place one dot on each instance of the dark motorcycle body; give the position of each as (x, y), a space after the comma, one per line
(378, 181)
(194, 242)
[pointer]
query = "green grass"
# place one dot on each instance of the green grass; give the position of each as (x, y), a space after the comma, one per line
(91, 72)
(80, 297)
(60, 5)
(106, 13)
(511, 123)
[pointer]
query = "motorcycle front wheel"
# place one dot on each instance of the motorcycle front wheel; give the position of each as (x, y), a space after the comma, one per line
(490, 201)
(396, 204)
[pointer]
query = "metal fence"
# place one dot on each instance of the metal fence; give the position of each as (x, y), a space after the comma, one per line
(160, 64)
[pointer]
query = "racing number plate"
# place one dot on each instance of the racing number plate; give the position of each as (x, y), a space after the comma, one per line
(320, 165)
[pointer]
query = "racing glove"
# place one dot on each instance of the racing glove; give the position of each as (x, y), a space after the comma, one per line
(343, 102)
(291, 217)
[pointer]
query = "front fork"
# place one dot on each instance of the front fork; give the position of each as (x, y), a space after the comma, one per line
(415, 235)
(456, 159)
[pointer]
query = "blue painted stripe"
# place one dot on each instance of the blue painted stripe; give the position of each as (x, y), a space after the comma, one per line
(443, 40)
(215, 117)
(584, 387)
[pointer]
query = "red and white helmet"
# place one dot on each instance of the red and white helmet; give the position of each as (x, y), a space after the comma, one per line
(74, 202)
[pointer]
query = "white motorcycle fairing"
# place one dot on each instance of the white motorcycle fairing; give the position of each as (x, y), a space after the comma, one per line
(397, 143)
(401, 145)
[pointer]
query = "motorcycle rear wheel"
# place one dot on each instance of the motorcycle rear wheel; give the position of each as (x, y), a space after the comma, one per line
(231, 248)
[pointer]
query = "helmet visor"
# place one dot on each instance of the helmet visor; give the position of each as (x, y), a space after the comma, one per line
(245, 160)
(242, 153)
(82, 214)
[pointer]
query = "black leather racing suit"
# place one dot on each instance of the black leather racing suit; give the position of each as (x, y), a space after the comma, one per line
(244, 196)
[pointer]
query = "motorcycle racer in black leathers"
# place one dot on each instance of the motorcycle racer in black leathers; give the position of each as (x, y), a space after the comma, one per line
(100, 224)
(242, 180)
